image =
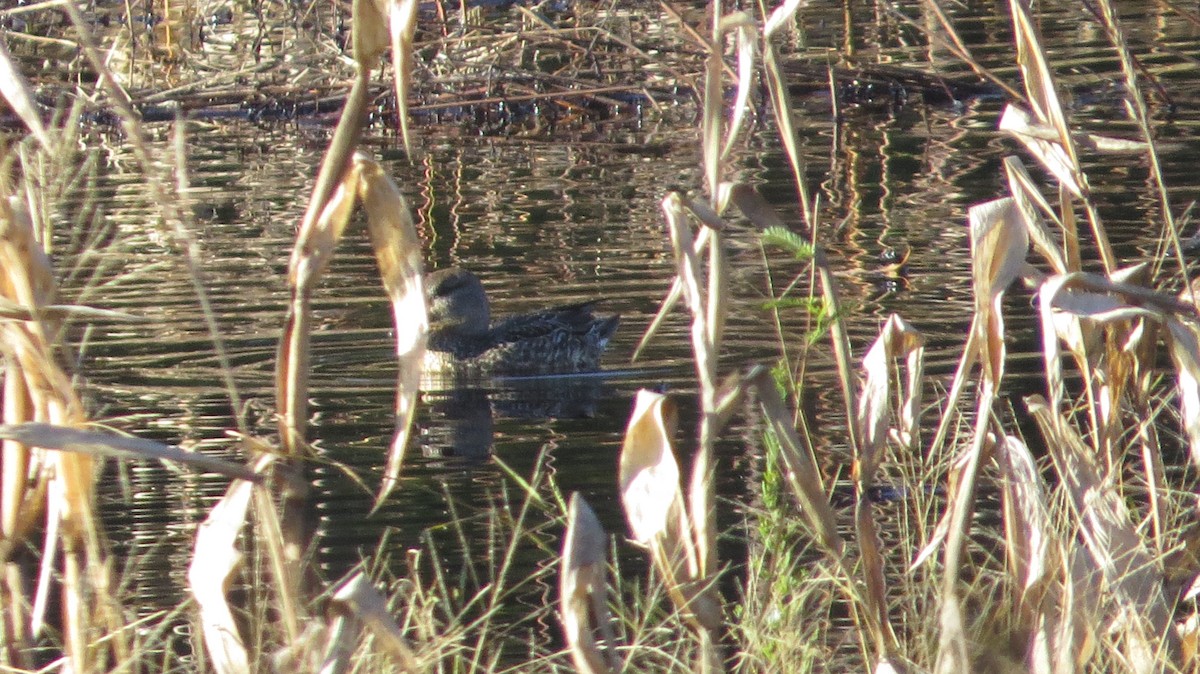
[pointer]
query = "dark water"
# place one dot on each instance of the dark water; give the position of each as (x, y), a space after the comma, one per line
(549, 218)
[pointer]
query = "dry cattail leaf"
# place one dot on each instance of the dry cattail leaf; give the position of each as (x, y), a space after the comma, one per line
(214, 560)
(398, 252)
(654, 506)
(583, 591)
(1114, 545)
(360, 598)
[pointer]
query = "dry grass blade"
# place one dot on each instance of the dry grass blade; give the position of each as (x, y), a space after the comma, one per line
(398, 252)
(215, 559)
(711, 115)
(1113, 543)
(896, 340)
(1074, 306)
(583, 591)
(49, 436)
(781, 105)
(15, 90)
(654, 506)
(781, 16)
(370, 31)
(1059, 627)
(37, 389)
(670, 300)
(358, 596)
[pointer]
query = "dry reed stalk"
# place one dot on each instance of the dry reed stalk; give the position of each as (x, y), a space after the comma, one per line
(897, 340)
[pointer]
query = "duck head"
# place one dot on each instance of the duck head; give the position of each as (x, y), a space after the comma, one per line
(457, 302)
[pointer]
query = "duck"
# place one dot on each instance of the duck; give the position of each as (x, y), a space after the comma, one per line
(464, 342)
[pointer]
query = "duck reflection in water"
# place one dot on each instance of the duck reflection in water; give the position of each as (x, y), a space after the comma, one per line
(466, 351)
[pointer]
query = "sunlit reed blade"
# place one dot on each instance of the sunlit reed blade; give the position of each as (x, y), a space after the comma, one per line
(670, 300)
(215, 558)
(398, 252)
(1039, 82)
(897, 340)
(781, 16)
(711, 117)
(999, 247)
(1032, 207)
(402, 21)
(583, 591)
(1116, 548)
(1049, 152)
(370, 33)
(1037, 554)
(49, 436)
(742, 25)
(802, 473)
(654, 506)
(690, 274)
(15, 90)
(781, 105)
(362, 600)
(310, 256)
(60, 312)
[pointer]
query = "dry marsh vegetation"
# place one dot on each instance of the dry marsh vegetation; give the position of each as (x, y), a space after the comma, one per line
(1091, 566)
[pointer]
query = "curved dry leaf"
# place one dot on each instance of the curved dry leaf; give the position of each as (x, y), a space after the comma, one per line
(705, 319)
(398, 252)
(583, 591)
(648, 473)
(999, 247)
(1027, 524)
(360, 598)
(801, 470)
(781, 16)
(1032, 205)
(315, 244)
(1049, 153)
(1115, 547)
(898, 339)
(214, 560)
(1039, 81)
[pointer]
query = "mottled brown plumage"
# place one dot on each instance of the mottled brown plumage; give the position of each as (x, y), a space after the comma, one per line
(464, 342)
